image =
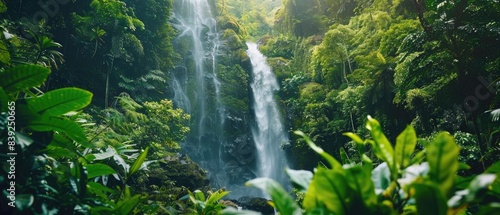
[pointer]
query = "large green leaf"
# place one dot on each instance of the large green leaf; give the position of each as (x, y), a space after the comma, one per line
(70, 128)
(332, 161)
(428, 198)
(405, 145)
(329, 188)
(359, 179)
(23, 77)
(138, 162)
(442, 156)
(98, 169)
(300, 178)
(381, 145)
(283, 202)
(60, 101)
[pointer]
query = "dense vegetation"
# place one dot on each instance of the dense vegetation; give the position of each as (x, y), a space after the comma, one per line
(82, 92)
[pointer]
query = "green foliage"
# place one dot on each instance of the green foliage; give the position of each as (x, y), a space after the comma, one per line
(409, 188)
(205, 205)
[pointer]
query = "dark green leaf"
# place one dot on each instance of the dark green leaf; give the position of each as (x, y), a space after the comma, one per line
(429, 199)
(300, 178)
(60, 101)
(70, 128)
(360, 181)
(283, 202)
(23, 77)
(126, 206)
(98, 169)
(344, 156)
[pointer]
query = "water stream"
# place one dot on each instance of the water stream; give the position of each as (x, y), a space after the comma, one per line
(268, 133)
(219, 141)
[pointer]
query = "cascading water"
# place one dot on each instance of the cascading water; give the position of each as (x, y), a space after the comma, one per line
(220, 140)
(196, 86)
(268, 134)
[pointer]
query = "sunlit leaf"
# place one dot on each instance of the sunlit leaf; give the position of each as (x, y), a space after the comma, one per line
(60, 101)
(405, 145)
(138, 162)
(382, 147)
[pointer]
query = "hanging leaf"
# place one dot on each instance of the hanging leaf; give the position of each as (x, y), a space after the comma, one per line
(60, 101)
(23, 77)
(360, 145)
(283, 202)
(332, 161)
(70, 128)
(405, 145)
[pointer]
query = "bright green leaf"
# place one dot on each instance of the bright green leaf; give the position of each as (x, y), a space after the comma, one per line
(405, 145)
(329, 188)
(138, 163)
(382, 147)
(60, 101)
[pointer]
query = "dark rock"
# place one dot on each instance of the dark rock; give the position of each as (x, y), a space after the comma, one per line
(255, 204)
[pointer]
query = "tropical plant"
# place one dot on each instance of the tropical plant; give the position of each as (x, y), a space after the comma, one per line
(407, 182)
(204, 205)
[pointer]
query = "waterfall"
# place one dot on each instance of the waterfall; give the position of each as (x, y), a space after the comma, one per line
(195, 86)
(268, 133)
(222, 137)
